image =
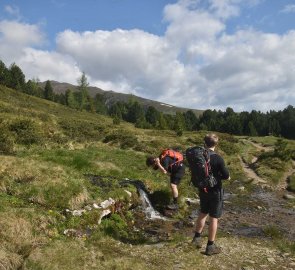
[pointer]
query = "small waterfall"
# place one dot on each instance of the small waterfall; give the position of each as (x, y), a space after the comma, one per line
(149, 210)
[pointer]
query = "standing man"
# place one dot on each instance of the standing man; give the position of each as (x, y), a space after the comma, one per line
(211, 199)
(170, 162)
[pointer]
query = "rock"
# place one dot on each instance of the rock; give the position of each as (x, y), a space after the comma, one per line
(241, 188)
(73, 233)
(105, 204)
(288, 196)
(128, 192)
(103, 214)
(96, 206)
(78, 213)
(249, 261)
(191, 201)
(247, 268)
(272, 260)
(88, 207)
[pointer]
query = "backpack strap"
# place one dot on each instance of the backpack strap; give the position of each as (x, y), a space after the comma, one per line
(166, 152)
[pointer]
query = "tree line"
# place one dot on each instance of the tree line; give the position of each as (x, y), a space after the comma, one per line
(254, 123)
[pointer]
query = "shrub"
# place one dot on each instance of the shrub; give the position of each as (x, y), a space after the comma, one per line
(125, 139)
(6, 141)
(116, 120)
(291, 183)
(179, 132)
(281, 150)
(81, 130)
(228, 147)
(115, 226)
(26, 131)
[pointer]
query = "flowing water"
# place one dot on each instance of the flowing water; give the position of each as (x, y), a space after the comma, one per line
(149, 210)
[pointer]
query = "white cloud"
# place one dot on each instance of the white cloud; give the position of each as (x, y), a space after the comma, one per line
(13, 11)
(196, 64)
(143, 63)
(15, 37)
(288, 8)
(225, 9)
(49, 66)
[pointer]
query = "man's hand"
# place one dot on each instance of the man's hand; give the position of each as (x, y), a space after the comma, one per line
(157, 162)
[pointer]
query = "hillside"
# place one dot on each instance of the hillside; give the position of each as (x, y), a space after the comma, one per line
(113, 97)
(60, 166)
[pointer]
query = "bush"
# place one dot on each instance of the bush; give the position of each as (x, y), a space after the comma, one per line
(228, 147)
(125, 139)
(291, 183)
(115, 226)
(282, 151)
(81, 130)
(116, 120)
(6, 141)
(26, 131)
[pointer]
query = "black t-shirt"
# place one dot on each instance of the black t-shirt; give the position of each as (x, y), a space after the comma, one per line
(218, 167)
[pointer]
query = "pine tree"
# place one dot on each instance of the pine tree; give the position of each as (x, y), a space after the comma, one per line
(48, 91)
(83, 91)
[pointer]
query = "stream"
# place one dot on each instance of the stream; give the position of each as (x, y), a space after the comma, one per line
(248, 215)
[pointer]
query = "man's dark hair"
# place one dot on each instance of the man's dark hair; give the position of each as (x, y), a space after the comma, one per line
(150, 161)
(211, 140)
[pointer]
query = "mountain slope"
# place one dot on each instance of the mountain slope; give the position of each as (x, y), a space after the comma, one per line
(50, 188)
(113, 97)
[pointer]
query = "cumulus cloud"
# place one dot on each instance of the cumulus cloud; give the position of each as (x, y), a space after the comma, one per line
(195, 64)
(15, 36)
(49, 66)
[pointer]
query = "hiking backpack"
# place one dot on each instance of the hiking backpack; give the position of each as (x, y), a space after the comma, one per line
(198, 158)
(175, 155)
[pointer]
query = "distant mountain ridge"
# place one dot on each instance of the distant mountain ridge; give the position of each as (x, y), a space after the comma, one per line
(112, 97)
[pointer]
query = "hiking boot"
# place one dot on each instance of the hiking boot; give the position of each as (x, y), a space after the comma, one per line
(197, 242)
(212, 249)
(173, 206)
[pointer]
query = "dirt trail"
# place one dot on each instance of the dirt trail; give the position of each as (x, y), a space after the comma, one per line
(251, 174)
(261, 147)
(283, 183)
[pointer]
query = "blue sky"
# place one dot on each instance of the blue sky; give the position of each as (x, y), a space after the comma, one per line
(190, 53)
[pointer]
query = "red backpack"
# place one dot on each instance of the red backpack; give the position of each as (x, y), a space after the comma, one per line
(176, 156)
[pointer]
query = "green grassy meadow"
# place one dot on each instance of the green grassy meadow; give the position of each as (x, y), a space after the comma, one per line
(49, 153)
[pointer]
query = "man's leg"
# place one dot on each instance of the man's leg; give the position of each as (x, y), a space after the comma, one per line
(174, 205)
(201, 222)
(197, 241)
(211, 248)
(213, 224)
(174, 190)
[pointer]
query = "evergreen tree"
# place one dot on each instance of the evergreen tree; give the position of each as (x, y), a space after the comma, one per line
(71, 100)
(115, 111)
(16, 78)
(3, 74)
(191, 120)
(135, 112)
(162, 122)
(83, 92)
(99, 104)
(288, 122)
(251, 130)
(179, 124)
(48, 91)
(152, 116)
